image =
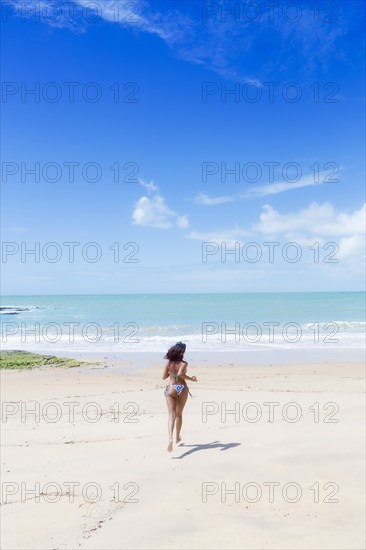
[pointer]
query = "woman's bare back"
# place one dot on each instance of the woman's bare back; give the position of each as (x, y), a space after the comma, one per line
(174, 368)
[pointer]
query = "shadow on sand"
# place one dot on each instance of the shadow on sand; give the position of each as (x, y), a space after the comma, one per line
(205, 446)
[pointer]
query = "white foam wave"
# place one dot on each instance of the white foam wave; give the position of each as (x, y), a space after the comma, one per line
(54, 343)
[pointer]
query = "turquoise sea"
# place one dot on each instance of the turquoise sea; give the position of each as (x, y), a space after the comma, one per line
(211, 322)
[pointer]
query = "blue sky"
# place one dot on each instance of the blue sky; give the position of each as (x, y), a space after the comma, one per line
(173, 124)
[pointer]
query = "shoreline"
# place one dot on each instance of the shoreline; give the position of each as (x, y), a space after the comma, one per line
(146, 360)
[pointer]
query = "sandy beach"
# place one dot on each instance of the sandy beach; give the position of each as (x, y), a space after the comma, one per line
(88, 468)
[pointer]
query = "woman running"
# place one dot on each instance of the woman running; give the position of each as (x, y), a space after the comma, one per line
(176, 392)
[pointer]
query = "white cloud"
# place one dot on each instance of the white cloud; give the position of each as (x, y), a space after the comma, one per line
(154, 212)
(315, 219)
(321, 220)
(319, 223)
(352, 247)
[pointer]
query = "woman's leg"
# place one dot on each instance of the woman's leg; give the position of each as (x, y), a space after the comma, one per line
(172, 405)
(182, 400)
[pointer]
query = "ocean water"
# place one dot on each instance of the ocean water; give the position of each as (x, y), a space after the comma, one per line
(231, 322)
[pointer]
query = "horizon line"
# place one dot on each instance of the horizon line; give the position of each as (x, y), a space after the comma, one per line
(192, 293)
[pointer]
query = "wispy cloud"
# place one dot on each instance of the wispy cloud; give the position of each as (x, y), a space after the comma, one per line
(262, 190)
(221, 42)
(148, 185)
(228, 236)
(206, 200)
(281, 186)
(16, 229)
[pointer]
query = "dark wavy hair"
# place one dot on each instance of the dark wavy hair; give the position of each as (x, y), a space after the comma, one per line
(176, 352)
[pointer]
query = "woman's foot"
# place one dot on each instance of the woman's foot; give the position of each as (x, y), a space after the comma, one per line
(170, 446)
(179, 439)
